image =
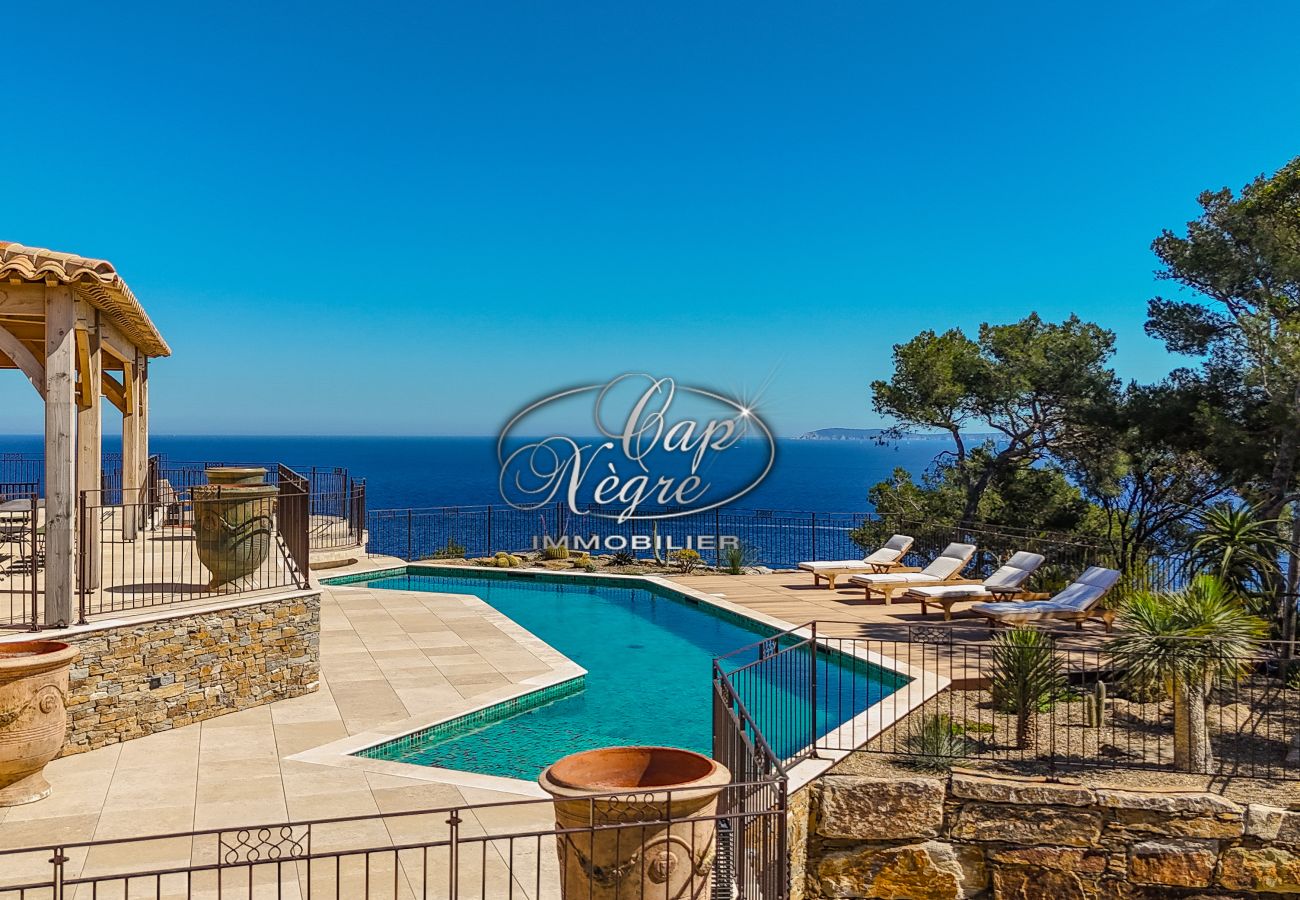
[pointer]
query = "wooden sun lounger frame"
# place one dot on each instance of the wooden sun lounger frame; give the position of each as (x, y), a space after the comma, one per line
(946, 603)
(873, 568)
(886, 589)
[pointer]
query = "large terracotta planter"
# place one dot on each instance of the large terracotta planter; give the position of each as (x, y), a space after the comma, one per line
(656, 860)
(234, 523)
(33, 715)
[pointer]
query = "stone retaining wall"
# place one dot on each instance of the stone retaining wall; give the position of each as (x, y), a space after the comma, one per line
(139, 678)
(975, 836)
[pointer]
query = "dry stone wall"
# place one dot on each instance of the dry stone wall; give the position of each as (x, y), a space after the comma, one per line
(139, 678)
(976, 836)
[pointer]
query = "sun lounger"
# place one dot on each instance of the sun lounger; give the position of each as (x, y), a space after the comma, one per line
(887, 559)
(946, 566)
(1007, 583)
(1080, 601)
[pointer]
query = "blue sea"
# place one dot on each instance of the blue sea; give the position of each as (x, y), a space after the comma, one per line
(830, 476)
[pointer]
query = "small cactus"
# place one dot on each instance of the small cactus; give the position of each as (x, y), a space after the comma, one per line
(1095, 705)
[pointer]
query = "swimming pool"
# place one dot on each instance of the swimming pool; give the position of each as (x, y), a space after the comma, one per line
(648, 652)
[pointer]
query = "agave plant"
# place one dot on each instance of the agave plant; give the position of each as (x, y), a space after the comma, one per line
(1026, 678)
(1238, 548)
(1186, 640)
(936, 742)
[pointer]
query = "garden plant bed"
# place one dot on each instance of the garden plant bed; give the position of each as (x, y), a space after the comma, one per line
(1252, 728)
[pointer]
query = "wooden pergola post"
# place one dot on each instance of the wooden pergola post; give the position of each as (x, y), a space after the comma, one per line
(60, 454)
(70, 324)
(90, 424)
(131, 481)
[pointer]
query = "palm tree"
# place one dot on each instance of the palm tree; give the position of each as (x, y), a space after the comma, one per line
(1186, 640)
(1237, 547)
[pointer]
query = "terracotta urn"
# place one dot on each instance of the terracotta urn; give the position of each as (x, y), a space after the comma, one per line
(663, 844)
(33, 715)
(234, 525)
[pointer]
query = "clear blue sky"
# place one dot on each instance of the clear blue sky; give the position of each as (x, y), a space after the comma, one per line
(416, 219)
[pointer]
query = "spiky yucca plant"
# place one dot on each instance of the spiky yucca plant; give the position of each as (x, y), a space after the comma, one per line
(1186, 640)
(1026, 678)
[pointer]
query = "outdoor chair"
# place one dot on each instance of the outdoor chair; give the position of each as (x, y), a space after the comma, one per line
(1007, 583)
(887, 559)
(945, 567)
(1078, 602)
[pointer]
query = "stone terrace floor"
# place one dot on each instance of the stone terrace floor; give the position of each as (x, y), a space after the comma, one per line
(385, 656)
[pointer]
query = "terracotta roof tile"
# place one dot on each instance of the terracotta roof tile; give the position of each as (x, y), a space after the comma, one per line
(94, 280)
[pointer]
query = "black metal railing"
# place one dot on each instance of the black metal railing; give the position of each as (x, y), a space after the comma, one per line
(22, 556)
(488, 851)
(335, 496)
(772, 538)
(155, 547)
(800, 690)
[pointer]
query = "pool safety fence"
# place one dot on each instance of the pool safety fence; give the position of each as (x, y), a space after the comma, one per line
(1058, 701)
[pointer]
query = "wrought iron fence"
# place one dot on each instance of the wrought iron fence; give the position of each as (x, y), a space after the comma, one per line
(337, 501)
(151, 549)
(773, 538)
(489, 851)
(1089, 712)
(22, 555)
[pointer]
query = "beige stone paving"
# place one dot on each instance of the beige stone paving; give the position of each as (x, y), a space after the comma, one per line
(386, 656)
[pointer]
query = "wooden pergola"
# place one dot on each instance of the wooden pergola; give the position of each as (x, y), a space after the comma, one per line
(74, 328)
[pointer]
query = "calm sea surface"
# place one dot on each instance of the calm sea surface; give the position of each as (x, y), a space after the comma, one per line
(830, 476)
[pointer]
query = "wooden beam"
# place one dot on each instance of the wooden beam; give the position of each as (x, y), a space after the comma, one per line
(60, 456)
(128, 387)
(132, 482)
(22, 300)
(90, 424)
(84, 389)
(114, 391)
(24, 358)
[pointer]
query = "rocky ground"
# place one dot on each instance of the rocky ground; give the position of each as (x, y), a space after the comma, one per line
(1253, 729)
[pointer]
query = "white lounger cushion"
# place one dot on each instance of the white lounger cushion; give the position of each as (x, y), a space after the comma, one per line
(1076, 599)
(1013, 574)
(948, 563)
(892, 551)
(894, 578)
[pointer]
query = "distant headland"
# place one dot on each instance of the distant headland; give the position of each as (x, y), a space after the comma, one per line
(883, 435)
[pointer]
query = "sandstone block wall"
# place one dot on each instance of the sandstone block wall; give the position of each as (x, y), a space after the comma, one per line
(137, 679)
(974, 836)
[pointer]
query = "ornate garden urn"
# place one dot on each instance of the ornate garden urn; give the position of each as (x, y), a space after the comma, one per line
(234, 522)
(33, 715)
(665, 842)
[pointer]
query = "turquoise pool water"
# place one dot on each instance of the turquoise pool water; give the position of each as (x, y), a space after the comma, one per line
(648, 653)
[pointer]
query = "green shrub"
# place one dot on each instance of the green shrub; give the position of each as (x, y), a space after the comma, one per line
(451, 550)
(623, 558)
(687, 559)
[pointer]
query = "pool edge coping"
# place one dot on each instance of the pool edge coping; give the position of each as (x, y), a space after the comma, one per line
(921, 687)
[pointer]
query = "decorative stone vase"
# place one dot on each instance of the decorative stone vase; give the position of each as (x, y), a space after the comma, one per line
(660, 859)
(33, 715)
(234, 523)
